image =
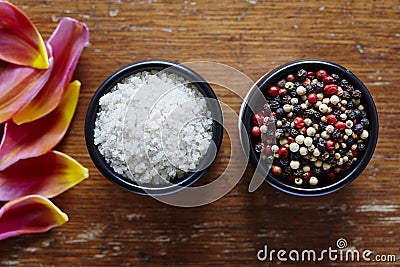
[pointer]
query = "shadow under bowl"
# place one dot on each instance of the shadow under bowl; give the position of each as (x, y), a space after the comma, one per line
(153, 65)
(253, 103)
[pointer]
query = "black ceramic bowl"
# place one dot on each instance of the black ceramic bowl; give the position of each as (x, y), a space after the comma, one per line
(253, 100)
(153, 65)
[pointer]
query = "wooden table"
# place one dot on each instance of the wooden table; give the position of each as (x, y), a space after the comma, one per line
(112, 227)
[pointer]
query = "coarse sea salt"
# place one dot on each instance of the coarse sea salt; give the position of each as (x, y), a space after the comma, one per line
(153, 127)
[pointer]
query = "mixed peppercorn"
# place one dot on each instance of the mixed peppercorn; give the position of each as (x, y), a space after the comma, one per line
(321, 127)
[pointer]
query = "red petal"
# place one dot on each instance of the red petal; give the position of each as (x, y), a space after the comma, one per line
(48, 175)
(29, 214)
(20, 41)
(40, 136)
(67, 43)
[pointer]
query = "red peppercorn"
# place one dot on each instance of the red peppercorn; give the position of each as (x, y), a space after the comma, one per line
(307, 176)
(258, 119)
(303, 130)
(276, 170)
(321, 74)
(312, 98)
(330, 89)
(340, 125)
(291, 178)
(330, 145)
(331, 176)
(256, 131)
(331, 119)
(311, 74)
(273, 91)
(290, 78)
(355, 153)
(272, 114)
(298, 122)
(290, 139)
(283, 152)
(328, 79)
(282, 92)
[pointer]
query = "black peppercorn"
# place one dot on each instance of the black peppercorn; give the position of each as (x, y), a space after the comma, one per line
(350, 105)
(336, 134)
(293, 93)
(322, 125)
(341, 151)
(357, 114)
(272, 120)
(358, 128)
(286, 126)
(336, 112)
(361, 147)
(286, 99)
(287, 171)
(295, 156)
(335, 77)
(346, 95)
(304, 161)
(282, 83)
(350, 114)
(332, 160)
(310, 89)
(319, 87)
(363, 114)
(308, 113)
(321, 145)
(280, 113)
(284, 162)
(317, 117)
(297, 84)
(349, 141)
(298, 173)
(350, 88)
(356, 94)
(259, 147)
(279, 133)
(302, 74)
(344, 83)
(365, 122)
(293, 132)
(317, 171)
(297, 109)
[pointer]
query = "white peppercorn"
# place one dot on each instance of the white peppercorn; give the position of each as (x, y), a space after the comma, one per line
(294, 147)
(313, 180)
(294, 164)
(364, 134)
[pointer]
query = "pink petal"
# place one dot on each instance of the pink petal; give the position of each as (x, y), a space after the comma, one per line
(20, 41)
(40, 136)
(67, 42)
(48, 175)
(18, 86)
(29, 214)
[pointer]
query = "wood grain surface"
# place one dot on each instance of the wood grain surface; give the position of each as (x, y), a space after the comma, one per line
(112, 227)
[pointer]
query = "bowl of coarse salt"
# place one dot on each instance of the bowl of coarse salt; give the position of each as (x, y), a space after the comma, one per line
(154, 127)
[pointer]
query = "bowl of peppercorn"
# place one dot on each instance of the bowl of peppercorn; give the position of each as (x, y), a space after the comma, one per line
(312, 127)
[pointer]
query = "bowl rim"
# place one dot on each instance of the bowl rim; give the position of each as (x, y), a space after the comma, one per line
(312, 64)
(109, 83)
